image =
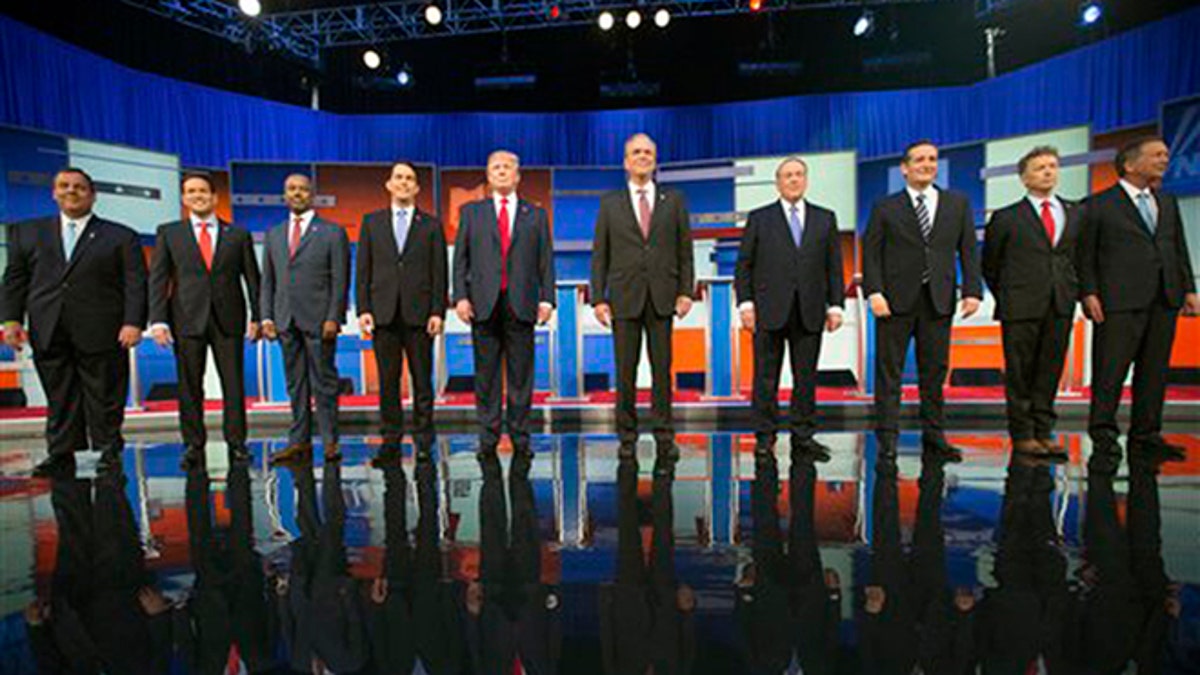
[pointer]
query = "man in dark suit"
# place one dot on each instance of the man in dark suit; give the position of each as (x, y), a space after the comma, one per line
(1029, 263)
(503, 284)
(81, 280)
(647, 618)
(306, 275)
(197, 303)
(401, 283)
(1134, 276)
(790, 288)
(641, 275)
(909, 252)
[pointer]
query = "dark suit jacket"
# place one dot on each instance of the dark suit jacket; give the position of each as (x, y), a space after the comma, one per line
(1122, 263)
(773, 273)
(530, 259)
(1027, 274)
(310, 288)
(102, 287)
(184, 293)
(627, 270)
(415, 280)
(894, 252)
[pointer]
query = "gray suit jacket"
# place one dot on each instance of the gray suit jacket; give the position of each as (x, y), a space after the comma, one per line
(530, 260)
(310, 288)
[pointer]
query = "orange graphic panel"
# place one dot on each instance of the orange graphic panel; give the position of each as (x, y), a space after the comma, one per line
(358, 189)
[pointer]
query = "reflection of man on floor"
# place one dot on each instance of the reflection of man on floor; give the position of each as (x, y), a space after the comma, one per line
(104, 613)
(414, 614)
(512, 617)
(646, 616)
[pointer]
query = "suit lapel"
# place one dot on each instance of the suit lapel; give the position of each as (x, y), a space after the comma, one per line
(386, 226)
(520, 222)
(492, 222)
(1034, 221)
(223, 244)
(631, 215)
(1130, 209)
(307, 236)
(660, 200)
(910, 212)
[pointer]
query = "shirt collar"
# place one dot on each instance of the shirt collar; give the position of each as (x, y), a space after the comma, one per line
(649, 187)
(63, 219)
(787, 206)
(408, 210)
(1133, 191)
(196, 220)
(306, 218)
(512, 198)
(1037, 201)
(929, 192)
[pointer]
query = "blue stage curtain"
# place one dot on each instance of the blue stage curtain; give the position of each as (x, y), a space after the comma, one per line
(46, 84)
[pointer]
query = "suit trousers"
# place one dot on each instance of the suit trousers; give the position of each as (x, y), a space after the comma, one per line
(85, 394)
(393, 344)
(931, 330)
(503, 337)
(1034, 353)
(627, 345)
(804, 349)
(311, 374)
(1141, 339)
(191, 354)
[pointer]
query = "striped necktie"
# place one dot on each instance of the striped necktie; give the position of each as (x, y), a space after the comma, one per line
(923, 218)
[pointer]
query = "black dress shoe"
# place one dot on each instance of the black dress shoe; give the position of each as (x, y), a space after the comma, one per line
(424, 454)
(109, 462)
(885, 447)
(239, 455)
(193, 458)
(666, 449)
(55, 466)
(486, 452)
(523, 450)
(292, 454)
(1104, 463)
(388, 456)
(942, 450)
(811, 450)
(627, 451)
(1168, 451)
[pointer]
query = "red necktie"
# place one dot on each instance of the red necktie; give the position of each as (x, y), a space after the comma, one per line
(295, 240)
(206, 245)
(505, 240)
(644, 213)
(1048, 221)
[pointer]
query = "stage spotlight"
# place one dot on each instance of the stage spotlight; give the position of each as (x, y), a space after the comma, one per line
(555, 12)
(250, 7)
(433, 15)
(633, 19)
(661, 18)
(371, 59)
(756, 5)
(404, 78)
(606, 21)
(865, 25)
(1090, 13)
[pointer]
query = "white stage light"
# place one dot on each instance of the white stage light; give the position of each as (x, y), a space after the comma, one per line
(404, 78)
(633, 19)
(606, 21)
(371, 59)
(433, 15)
(662, 17)
(865, 24)
(1090, 13)
(250, 7)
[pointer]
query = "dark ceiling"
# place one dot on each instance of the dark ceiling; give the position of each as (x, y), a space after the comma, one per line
(694, 60)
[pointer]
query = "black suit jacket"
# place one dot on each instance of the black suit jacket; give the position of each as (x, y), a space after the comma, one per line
(894, 252)
(1026, 272)
(414, 280)
(1121, 262)
(530, 259)
(185, 294)
(102, 287)
(629, 271)
(773, 273)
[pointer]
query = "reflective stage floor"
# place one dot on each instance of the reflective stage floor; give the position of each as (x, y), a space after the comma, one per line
(715, 563)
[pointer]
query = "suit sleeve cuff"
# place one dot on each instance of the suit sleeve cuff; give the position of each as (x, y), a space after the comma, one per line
(873, 295)
(547, 305)
(155, 326)
(268, 322)
(749, 304)
(834, 311)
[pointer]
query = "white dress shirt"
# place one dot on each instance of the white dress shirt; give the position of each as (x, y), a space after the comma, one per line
(635, 198)
(511, 201)
(931, 200)
(80, 225)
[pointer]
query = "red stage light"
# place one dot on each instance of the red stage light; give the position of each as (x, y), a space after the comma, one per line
(554, 11)
(755, 5)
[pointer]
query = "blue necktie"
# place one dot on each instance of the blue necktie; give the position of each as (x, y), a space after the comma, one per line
(401, 230)
(797, 228)
(69, 239)
(1143, 204)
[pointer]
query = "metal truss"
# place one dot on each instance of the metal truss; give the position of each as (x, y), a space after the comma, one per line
(305, 33)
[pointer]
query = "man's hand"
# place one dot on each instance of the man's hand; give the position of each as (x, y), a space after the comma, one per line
(268, 330)
(434, 326)
(379, 590)
(36, 612)
(683, 305)
(1093, 309)
(969, 306)
(465, 311)
(1191, 304)
(747, 316)
(14, 334)
(130, 336)
(833, 321)
(545, 311)
(603, 314)
(366, 323)
(875, 599)
(152, 601)
(162, 336)
(879, 306)
(329, 331)
(253, 331)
